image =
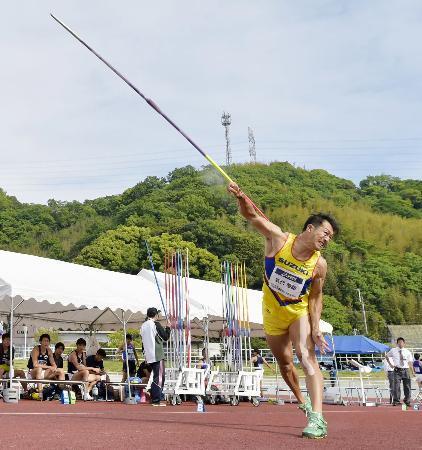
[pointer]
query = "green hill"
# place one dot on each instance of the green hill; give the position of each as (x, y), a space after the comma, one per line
(378, 250)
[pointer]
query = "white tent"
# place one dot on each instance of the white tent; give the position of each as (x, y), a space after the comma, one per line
(62, 283)
(205, 296)
(67, 283)
(43, 279)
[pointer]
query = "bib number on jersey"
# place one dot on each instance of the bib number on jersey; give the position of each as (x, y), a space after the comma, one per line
(286, 283)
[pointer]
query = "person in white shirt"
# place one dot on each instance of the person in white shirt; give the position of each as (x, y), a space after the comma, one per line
(153, 337)
(389, 372)
(402, 362)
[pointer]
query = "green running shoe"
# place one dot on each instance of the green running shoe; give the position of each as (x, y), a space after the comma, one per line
(316, 428)
(306, 407)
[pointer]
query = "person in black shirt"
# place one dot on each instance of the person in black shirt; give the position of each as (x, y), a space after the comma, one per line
(57, 355)
(5, 360)
(97, 362)
(144, 372)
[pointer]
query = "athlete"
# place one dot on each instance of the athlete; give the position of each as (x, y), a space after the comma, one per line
(78, 370)
(41, 362)
(5, 360)
(258, 362)
(132, 357)
(294, 276)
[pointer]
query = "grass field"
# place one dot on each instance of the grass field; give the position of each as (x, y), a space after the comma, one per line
(115, 365)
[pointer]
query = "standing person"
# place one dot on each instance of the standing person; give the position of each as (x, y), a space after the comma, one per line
(389, 372)
(131, 359)
(203, 362)
(402, 362)
(41, 362)
(294, 277)
(78, 370)
(417, 368)
(153, 337)
(258, 362)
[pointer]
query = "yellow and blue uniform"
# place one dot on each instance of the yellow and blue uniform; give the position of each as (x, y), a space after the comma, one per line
(287, 284)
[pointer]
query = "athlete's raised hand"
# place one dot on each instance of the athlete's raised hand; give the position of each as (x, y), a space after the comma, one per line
(319, 341)
(234, 189)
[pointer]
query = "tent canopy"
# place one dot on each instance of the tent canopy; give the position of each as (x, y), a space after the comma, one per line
(58, 294)
(61, 294)
(356, 345)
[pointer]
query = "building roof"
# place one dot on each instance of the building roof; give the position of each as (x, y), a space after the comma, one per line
(411, 333)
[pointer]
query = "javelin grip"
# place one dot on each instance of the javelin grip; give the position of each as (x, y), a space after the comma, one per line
(230, 180)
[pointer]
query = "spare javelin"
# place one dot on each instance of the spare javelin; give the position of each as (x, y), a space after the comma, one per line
(151, 261)
(157, 109)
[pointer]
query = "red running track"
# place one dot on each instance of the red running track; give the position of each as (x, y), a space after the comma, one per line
(34, 425)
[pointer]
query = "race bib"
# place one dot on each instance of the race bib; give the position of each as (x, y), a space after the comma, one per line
(286, 283)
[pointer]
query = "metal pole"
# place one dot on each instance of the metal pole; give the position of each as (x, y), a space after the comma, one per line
(127, 360)
(25, 332)
(363, 311)
(11, 370)
(123, 321)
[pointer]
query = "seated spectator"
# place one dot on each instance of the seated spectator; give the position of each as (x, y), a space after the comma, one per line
(96, 361)
(78, 370)
(41, 362)
(131, 357)
(144, 372)
(5, 360)
(57, 355)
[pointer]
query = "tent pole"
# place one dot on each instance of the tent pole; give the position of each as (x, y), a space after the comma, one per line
(123, 321)
(127, 360)
(11, 370)
(97, 318)
(336, 368)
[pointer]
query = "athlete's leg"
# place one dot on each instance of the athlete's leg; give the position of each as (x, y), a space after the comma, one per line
(60, 375)
(92, 381)
(281, 348)
(300, 334)
(82, 375)
(21, 374)
(49, 374)
(124, 373)
(37, 374)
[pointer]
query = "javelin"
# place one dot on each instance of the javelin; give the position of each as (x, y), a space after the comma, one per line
(151, 261)
(158, 110)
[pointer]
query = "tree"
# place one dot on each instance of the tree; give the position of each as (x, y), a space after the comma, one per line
(337, 315)
(117, 338)
(117, 250)
(54, 334)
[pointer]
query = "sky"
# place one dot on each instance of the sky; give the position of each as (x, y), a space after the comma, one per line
(327, 84)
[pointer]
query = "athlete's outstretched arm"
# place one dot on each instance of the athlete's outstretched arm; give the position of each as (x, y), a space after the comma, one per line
(263, 226)
(315, 304)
